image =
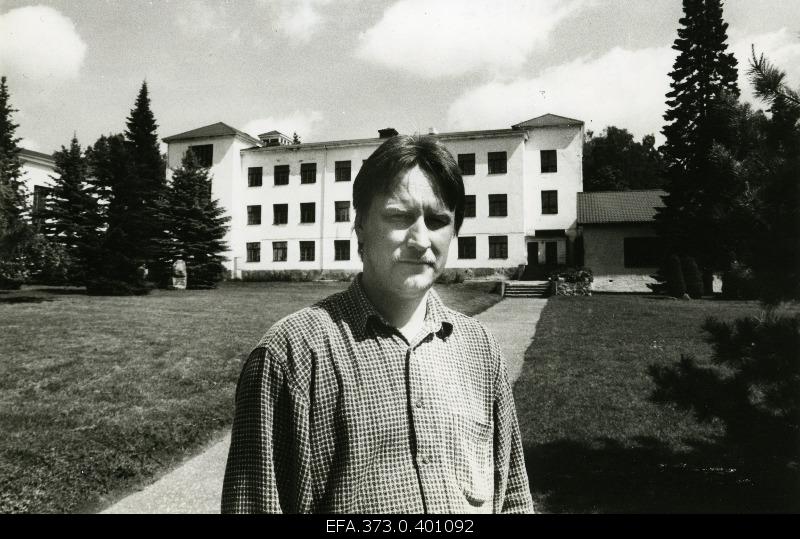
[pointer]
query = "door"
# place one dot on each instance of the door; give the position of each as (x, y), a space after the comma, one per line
(533, 253)
(551, 253)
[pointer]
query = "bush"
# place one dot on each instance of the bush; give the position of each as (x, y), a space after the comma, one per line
(281, 275)
(454, 276)
(739, 282)
(673, 273)
(752, 385)
(12, 274)
(571, 275)
(692, 278)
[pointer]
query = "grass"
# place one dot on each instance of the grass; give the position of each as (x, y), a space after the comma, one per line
(99, 395)
(594, 442)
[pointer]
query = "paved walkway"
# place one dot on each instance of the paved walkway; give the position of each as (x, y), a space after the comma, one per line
(196, 485)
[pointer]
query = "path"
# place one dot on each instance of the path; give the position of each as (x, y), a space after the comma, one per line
(195, 486)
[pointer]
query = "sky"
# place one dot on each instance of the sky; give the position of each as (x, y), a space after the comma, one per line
(341, 69)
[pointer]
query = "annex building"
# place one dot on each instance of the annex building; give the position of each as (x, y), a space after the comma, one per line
(291, 204)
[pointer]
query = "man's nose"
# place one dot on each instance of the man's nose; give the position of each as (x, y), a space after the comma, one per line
(418, 235)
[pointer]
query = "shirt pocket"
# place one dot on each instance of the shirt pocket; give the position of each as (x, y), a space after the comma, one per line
(473, 459)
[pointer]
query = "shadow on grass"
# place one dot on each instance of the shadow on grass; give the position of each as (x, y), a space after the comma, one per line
(608, 477)
(24, 299)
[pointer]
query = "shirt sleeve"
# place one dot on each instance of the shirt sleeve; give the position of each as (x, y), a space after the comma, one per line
(267, 467)
(512, 492)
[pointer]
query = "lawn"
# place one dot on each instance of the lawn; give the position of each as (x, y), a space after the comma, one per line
(99, 395)
(593, 440)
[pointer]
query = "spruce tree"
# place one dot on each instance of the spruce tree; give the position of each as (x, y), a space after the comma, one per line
(197, 224)
(71, 217)
(14, 230)
(145, 221)
(703, 90)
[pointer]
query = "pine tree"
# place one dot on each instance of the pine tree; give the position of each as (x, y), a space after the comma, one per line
(295, 138)
(14, 230)
(145, 221)
(71, 216)
(703, 92)
(197, 225)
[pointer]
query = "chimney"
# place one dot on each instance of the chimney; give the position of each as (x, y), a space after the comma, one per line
(388, 132)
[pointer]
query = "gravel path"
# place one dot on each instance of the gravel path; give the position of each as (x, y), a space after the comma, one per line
(195, 486)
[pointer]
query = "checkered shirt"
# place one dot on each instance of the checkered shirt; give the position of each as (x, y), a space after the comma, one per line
(336, 412)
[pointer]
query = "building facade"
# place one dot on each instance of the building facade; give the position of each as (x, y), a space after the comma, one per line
(37, 169)
(291, 204)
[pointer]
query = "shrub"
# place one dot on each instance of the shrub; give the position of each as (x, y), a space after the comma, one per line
(752, 385)
(692, 277)
(739, 282)
(571, 275)
(113, 287)
(455, 276)
(673, 273)
(12, 274)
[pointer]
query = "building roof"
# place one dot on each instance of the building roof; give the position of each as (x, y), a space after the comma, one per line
(268, 133)
(218, 129)
(604, 207)
(548, 120)
(34, 156)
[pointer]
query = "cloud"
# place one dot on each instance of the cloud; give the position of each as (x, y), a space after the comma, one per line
(300, 19)
(622, 87)
(199, 18)
(39, 43)
(452, 37)
(301, 122)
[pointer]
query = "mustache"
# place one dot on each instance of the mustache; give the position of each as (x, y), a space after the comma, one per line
(428, 260)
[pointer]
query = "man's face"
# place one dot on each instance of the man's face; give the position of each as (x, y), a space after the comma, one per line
(406, 234)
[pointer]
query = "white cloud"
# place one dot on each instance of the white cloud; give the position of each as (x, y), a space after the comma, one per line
(622, 87)
(451, 37)
(301, 122)
(300, 19)
(199, 18)
(39, 43)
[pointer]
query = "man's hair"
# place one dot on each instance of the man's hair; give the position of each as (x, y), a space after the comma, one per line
(400, 154)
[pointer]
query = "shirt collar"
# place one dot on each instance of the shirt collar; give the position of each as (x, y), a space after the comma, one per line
(438, 318)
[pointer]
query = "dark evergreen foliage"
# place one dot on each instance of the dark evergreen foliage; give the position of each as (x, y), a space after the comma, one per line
(692, 277)
(673, 273)
(197, 225)
(752, 384)
(70, 219)
(703, 90)
(613, 161)
(14, 230)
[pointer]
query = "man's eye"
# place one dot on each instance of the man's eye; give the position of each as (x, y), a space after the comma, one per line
(437, 221)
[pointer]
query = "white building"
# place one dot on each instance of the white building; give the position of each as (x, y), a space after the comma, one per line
(37, 169)
(291, 204)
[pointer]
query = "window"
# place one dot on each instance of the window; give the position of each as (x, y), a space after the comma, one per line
(279, 251)
(342, 211)
(549, 160)
(469, 206)
(280, 214)
(549, 202)
(466, 162)
(643, 252)
(254, 251)
(204, 154)
(254, 215)
(307, 211)
(466, 247)
(498, 246)
(342, 171)
(281, 174)
(498, 205)
(497, 162)
(40, 194)
(306, 251)
(254, 176)
(308, 173)
(341, 249)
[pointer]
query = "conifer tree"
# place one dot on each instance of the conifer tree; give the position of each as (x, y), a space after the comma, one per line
(14, 230)
(703, 93)
(71, 218)
(197, 225)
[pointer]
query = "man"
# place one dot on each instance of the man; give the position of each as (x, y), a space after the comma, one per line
(380, 399)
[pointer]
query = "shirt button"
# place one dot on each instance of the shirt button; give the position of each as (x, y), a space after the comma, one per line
(419, 403)
(426, 459)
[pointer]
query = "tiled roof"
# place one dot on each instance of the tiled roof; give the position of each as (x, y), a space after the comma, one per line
(548, 120)
(218, 129)
(619, 206)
